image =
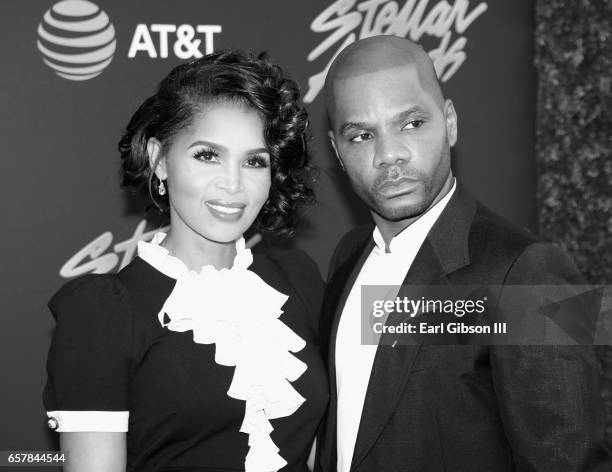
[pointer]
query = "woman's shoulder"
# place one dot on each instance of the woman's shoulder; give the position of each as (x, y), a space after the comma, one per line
(297, 270)
(91, 311)
(88, 291)
(296, 266)
(294, 262)
(110, 293)
(85, 298)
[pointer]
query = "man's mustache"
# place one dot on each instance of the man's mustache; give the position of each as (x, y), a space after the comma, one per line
(396, 175)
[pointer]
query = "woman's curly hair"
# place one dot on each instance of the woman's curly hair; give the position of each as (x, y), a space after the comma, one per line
(231, 76)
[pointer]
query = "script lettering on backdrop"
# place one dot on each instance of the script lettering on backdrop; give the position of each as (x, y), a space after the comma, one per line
(100, 256)
(348, 21)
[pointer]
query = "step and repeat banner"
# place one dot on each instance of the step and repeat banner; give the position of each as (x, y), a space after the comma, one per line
(74, 71)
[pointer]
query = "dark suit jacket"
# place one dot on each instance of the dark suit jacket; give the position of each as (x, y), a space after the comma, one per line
(464, 407)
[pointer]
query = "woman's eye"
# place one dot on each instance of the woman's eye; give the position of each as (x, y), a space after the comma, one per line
(361, 137)
(257, 162)
(413, 124)
(206, 155)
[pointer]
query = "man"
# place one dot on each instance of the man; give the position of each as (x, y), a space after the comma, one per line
(437, 408)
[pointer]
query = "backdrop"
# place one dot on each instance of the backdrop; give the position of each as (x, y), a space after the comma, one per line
(74, 72)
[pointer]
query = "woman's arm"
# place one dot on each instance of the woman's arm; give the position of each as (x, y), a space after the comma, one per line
(94, 452)
(89, 364)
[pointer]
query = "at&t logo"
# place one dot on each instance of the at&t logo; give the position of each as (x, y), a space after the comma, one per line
(76, 39)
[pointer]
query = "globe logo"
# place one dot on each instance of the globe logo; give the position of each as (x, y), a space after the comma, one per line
(76, 39)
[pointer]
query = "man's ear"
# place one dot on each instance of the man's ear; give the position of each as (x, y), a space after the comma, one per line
(450, 116)
(157, 162)
(332, 140)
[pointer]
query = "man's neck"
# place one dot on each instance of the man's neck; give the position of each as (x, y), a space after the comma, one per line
(390, 229)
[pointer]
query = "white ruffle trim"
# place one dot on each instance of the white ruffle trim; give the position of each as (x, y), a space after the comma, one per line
(238, 312)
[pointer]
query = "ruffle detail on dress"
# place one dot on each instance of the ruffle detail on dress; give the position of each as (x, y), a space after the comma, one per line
(238, 312)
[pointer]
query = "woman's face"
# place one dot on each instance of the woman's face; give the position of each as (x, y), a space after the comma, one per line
(218, 173)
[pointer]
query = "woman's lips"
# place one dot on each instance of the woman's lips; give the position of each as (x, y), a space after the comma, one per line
(225, 210)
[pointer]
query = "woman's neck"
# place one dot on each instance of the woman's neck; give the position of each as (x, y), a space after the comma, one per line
(196, 251)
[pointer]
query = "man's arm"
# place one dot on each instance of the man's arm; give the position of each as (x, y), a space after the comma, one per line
(550, 396)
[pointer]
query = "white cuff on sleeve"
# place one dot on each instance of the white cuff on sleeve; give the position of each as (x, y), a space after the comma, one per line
(101, 421)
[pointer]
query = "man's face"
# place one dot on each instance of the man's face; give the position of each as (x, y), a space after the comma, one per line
(393, 140)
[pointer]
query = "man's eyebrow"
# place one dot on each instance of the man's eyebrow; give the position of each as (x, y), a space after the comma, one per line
(362, 125)
(352, 125)
(403, 115)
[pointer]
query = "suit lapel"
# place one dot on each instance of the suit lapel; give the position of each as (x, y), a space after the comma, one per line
(444, 250)
(344, 282)
(392, 365)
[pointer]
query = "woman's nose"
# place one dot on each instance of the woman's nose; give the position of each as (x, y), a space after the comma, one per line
(231, 181)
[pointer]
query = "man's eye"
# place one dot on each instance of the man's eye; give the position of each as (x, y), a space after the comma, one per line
(361, 137)
(206, 155)
(413, 124)
(257, 162)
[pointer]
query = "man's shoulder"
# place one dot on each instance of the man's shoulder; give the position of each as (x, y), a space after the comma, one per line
(495, 241)
(524, 256)
(492, 228)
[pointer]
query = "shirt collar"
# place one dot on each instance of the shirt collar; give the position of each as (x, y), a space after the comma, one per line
(160, 258)
(414, 234)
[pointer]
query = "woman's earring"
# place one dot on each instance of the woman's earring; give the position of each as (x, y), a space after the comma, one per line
(161, 188)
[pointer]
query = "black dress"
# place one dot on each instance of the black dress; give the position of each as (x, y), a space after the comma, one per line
(110, 353)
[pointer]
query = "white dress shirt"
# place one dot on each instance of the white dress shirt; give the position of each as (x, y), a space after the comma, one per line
(353, 359)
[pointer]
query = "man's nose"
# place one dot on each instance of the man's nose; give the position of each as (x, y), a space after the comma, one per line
(231, 180)
(390, 150)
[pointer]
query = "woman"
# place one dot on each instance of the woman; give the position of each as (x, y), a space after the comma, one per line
(199, 355)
